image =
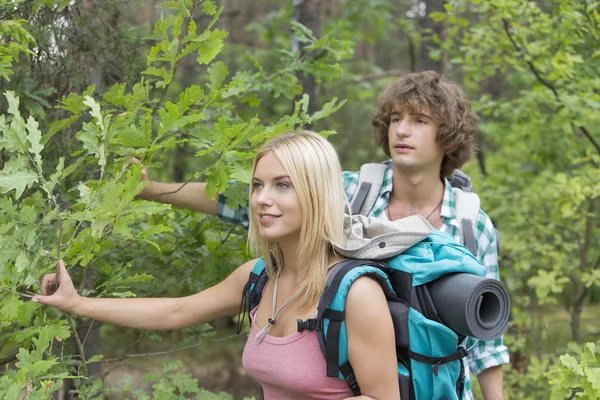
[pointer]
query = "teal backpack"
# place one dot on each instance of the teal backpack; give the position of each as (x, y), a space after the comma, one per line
(429, 338)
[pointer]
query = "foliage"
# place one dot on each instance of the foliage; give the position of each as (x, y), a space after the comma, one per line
(534, 71)
(81, 206)
(576, 377)
(180, 93)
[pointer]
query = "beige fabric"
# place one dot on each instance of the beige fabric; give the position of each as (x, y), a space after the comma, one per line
(376, 239)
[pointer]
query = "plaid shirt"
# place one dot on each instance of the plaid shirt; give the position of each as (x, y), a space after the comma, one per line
(482, 354)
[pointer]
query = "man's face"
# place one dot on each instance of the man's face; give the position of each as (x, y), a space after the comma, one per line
(413, 144)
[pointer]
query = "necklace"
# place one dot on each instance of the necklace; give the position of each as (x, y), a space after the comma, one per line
(271, 321)
(387, 211)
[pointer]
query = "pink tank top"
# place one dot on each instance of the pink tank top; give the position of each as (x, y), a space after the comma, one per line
(291, 367)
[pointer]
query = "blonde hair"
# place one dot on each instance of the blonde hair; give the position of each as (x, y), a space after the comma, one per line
(314, 169)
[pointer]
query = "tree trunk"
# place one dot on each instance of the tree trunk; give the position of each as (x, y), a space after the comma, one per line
(581, 291)
(223, 22)
(90, 65)
(241, 21)
(308, 13)
(427, 64)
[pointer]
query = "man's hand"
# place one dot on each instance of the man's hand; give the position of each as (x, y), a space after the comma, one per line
(144, 177)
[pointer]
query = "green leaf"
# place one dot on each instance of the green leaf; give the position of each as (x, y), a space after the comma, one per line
(90, 137)
(15, 136)
(58, 126)
(98, 226)
(95, 112)
(95, 358)
(134, 137)
(9, 308)
(241, 174)
(34, 137)
(209, 7)
(17, 181)
(56, 176)
(211, 46)
(216, 74)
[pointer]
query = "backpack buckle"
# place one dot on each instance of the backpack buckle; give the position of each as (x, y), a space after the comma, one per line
(310, 324)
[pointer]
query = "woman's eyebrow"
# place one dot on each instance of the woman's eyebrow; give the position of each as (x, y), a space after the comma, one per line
(276, 178)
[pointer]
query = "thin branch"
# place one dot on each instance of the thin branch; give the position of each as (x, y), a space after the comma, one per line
(590, 138)
(506, 26)
(171, 192)
(597, 264)
(221, 243)
(22, 294)
(544, 82)
(374, 76)
(79, 344)
(89, 329)
(162, 353)
(157, 353)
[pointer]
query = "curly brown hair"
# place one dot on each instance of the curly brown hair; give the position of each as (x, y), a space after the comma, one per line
(449, 107)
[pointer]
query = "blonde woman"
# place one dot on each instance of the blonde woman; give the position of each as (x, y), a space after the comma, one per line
(295, 200)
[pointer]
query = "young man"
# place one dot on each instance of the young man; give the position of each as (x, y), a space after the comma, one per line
(426, 126)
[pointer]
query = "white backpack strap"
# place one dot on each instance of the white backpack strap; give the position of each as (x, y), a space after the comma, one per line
(467, 212)
(370, 180)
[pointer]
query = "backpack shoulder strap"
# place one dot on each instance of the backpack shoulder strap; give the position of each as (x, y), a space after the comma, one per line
(252, 292)
(329, 323)
(461, 181)
(467, 211)
(370, 180)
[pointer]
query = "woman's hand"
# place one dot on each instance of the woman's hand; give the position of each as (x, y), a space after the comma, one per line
(66, 297)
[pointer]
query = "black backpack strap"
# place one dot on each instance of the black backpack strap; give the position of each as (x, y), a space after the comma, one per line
(460, 353)
(252, 292)
(332, 348)
(350, 378)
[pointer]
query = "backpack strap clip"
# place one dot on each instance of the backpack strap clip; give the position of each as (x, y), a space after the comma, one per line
(459, 353)
(311, 324)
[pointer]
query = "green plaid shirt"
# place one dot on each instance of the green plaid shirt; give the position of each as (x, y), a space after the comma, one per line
(482, 354)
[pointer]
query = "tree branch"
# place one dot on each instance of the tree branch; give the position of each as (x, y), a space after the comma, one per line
(506, 26)
(160, 353)
(374, 76)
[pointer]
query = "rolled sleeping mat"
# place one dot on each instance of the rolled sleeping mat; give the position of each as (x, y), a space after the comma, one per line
(471, 305)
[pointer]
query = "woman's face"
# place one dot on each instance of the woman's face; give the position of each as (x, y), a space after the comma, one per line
(274, 203)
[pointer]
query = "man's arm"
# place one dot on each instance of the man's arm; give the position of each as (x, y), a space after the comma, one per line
(191, 195)
(486, 357)
(491, 383)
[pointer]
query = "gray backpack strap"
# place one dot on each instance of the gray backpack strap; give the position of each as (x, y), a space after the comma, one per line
(370, 180)
(467, 212)
(460, 180)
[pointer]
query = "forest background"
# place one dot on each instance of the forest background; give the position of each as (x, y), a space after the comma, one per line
(194, 87)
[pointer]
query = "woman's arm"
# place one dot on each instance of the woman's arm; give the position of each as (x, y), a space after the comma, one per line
(149, 313)
(371, 341)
